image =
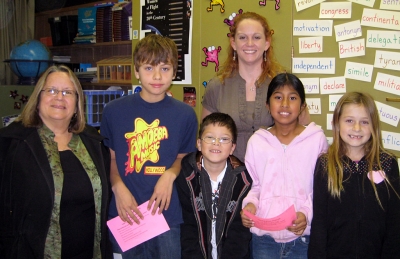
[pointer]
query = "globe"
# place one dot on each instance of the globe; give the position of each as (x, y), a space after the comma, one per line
(29, 60)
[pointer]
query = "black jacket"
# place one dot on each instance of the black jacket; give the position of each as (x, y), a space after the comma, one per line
(194, 189)
(356, 226)
(27, 190)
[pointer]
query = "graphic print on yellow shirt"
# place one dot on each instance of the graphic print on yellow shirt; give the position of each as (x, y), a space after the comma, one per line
(143, 145)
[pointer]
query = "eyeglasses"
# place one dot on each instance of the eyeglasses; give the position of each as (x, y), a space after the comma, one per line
(212, 140)
(54, 92)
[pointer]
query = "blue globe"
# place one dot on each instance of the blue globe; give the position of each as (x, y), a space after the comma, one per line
(30, 59)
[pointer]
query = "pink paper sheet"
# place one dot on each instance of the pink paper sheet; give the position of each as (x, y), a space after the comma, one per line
(277, 223)
(129, 236)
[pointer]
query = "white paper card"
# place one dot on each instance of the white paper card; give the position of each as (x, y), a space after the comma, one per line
(358, 71)
(383, 39)
(351, 48)
(391, 140)
(335, 10)
(314, 65)
(329, 118)
(314, 105)
(311, 85)
(369, 3)
(387, 83)
(301, 4)
(387, 60)
(388, 114)
(381, 19)
(333, 100)
(330, 140)
(310, 44)
(332, 85)
(312, 27)
(390, 5)
(349, 30)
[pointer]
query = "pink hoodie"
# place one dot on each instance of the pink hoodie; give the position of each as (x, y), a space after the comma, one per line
(283, 177)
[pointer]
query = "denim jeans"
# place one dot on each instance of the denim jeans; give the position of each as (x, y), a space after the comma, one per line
(164, 246)
(265, 247)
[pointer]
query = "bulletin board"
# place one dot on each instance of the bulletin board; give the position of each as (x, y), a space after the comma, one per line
(343, 46)
(346, 53)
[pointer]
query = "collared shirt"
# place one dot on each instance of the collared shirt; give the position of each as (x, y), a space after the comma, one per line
(215, 187)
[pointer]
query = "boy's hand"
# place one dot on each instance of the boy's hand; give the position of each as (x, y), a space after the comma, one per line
(299, 224)
(162, 193)
(126, 204)
(248, 223)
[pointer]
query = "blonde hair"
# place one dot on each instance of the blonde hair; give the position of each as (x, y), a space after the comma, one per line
(373, 147)
(30, 115)
(270, 67)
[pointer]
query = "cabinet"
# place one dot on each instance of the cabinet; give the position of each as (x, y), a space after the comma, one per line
(81, 53)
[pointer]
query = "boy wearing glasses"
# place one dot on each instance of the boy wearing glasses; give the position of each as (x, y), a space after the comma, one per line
(148, 134)
(211, 188)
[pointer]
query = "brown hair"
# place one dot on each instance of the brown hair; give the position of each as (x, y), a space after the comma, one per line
(30, 116)
(221, 120)
(270, 67)
(154, 49)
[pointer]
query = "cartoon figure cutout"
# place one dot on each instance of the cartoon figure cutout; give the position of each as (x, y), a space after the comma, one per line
(216, 2)
(212, 56)
(14, 94)
(277, 2)
(24, 98)
(229, 21)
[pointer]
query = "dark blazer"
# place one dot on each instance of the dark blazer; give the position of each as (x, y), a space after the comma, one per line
(194, 190)
(27, 190)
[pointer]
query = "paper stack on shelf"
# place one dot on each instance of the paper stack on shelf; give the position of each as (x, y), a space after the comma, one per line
(62, 59)
(87, 77)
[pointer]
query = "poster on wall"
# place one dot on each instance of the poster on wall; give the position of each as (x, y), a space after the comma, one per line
(172, 19)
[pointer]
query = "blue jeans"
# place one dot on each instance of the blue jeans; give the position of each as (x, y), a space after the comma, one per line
(165, 246)
(265, 247)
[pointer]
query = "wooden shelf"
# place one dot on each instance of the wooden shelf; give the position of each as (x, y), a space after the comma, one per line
(94, 45)
(106, 84)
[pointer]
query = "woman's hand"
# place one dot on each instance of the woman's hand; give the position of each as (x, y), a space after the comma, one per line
(248, 223)
(299, 224)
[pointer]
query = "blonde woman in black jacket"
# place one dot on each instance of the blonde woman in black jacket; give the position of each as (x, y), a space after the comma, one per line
(54, 176)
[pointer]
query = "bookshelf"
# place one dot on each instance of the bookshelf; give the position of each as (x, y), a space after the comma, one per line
(81, 53)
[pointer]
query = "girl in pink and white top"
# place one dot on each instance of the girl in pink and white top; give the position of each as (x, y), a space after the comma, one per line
(281, 161)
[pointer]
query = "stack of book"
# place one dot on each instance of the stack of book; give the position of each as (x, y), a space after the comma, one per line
(121, 13)
(104, 23)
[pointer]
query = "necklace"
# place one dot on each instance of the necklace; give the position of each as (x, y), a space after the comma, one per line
(252, 88)
(215, 200)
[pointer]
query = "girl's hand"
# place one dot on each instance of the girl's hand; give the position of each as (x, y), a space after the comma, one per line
(299, 224)
(248, 223)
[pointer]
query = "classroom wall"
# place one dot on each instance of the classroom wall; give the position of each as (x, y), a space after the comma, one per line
(209, 30)
(358, 62)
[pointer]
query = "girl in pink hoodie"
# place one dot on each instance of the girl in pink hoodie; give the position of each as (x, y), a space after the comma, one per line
(281, 161)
